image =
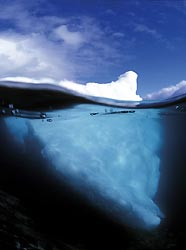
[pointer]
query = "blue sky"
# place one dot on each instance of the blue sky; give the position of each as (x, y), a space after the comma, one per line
(95, 40)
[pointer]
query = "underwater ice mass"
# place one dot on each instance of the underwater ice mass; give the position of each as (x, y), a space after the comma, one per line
(112, 160)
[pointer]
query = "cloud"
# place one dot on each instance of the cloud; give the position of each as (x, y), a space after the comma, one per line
(168, 92)
(118, 34)
(154, 34)
(42, 49)
(177, 5)
(147, 30)
(110, 12)
(74, 38)
(33, 45)
(25, 55)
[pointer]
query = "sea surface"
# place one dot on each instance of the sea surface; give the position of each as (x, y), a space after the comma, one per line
(96, 172)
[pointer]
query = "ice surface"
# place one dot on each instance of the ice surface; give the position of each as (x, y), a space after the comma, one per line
(123, 89)
(111, 159)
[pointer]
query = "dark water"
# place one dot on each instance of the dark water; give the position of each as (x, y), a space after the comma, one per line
(172, 189)
(94, 172)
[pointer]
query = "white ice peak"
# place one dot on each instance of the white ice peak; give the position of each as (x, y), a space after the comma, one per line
(124, 88)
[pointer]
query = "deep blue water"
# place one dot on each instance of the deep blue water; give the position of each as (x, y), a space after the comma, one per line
(90, 169)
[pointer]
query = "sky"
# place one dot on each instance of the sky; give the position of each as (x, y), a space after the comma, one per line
(96, 41)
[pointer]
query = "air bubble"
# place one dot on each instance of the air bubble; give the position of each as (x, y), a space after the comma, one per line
(3, 112)
(11, 106)
(43, 116)
(13, 112)
(49, 120)
(181, 108)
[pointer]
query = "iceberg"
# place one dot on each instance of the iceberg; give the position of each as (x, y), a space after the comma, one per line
(106, 146)
(89, 166)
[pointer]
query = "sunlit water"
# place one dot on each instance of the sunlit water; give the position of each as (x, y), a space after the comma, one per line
(128, 163)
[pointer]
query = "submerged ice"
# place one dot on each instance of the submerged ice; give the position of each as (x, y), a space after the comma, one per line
(113, 160)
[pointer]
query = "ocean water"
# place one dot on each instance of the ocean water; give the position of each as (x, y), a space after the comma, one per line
(92, 170)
